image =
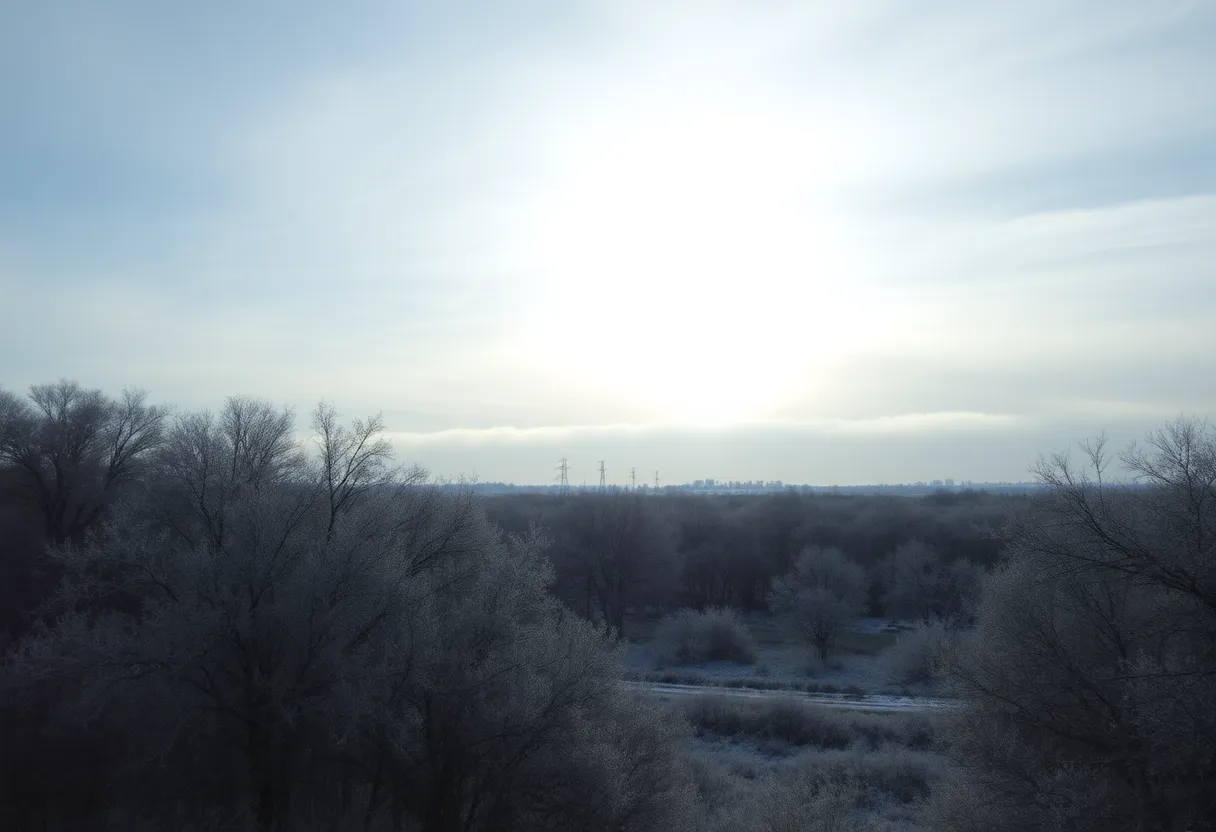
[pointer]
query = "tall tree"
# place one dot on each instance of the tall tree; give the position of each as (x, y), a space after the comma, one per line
(822, 593)
(74, 449)
(1090, 685)
(354, 460)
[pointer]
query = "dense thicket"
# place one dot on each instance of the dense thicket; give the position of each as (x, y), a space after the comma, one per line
(716, 550)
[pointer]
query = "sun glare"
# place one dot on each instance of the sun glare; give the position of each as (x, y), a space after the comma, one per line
(693, 267)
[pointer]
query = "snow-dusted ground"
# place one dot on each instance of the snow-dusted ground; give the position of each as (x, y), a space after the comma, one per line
(789, 666)
(839, 701)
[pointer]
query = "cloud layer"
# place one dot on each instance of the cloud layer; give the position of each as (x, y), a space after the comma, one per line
(749, 236)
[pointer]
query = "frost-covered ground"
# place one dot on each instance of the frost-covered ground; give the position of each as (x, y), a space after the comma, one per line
(792, 742)
(784, 665)
(767, 764)
(857, 702)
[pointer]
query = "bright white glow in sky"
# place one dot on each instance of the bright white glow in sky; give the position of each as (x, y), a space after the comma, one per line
(687, 250)
(816, 242)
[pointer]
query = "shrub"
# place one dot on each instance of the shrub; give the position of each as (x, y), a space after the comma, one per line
(915, 656)
(717, 634)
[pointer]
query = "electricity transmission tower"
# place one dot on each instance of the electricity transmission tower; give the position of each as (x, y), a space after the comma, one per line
(633, 478)
(656, 480)
(563, 475)
(603, 479)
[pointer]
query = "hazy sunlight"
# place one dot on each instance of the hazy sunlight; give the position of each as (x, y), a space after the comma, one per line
(696, 265)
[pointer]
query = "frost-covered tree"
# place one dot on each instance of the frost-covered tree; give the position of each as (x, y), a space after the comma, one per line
(284, 653)
(353, 460)
(73, 450)
(1090, 687)
(822, 593)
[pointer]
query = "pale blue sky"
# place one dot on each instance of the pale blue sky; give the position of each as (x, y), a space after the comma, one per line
(810, 241)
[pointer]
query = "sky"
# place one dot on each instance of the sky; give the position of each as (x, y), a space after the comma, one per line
(819, 242)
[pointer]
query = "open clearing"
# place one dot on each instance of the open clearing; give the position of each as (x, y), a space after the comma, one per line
(855, 678)
(838, 701)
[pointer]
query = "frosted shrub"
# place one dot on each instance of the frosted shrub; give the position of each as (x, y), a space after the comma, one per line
(691, 637)
(915, 656)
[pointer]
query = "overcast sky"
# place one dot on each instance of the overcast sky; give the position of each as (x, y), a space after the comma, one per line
(825, 242)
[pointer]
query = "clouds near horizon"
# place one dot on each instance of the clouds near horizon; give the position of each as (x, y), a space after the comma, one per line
(621, 223)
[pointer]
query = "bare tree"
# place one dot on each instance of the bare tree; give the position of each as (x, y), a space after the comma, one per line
(1090, 685)
(822, 593)
(212, 464)
(354, 460)
(75, 449)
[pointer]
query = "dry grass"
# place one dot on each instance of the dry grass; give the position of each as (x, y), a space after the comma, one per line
(821, 791)
(798, 724)
(773, 766)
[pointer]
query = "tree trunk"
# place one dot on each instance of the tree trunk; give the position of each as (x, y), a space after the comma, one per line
(268, 781)
(443, 809)
(375, 795)
(823, 644)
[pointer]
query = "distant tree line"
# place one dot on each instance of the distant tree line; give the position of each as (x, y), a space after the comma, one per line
(618, 549)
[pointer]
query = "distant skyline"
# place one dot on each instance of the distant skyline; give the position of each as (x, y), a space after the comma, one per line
(816, 242)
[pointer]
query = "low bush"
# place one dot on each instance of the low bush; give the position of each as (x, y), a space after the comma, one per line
(691, 637)
(915, 656)
(804, 724)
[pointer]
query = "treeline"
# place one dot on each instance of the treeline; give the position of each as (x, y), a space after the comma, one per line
(211, 623)
(618, 550)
